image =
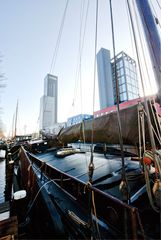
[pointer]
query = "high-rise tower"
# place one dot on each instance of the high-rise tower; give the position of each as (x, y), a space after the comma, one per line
(105, 83)
(48, 102)
(126, 76)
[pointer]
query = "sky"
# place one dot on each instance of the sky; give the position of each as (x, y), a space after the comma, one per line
(29, 31)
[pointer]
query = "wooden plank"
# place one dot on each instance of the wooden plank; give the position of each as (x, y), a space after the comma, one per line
(8, 237)
(9, 227)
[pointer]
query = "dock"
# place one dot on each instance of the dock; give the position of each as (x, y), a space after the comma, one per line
(8, 223)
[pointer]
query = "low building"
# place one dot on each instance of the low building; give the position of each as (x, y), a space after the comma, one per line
(78, 119)
(55, 129)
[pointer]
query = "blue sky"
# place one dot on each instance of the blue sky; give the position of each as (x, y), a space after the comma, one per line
(29, 30)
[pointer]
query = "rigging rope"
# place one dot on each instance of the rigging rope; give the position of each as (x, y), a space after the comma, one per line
(142, 46)
(141, 76)
(124, 184)
(95, 214)
(30, 207)
(155, 16)
(141, 122)
(158, 4)
(80, 51)
(91, 164)
(140, 113)
(78, 76)
(80, 55)
(94, 78)
(154, 118)
(54, 57)
(152, 140)
(148, 187)
(58, 39)
(130, 30)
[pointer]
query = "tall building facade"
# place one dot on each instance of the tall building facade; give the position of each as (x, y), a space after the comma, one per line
(49, 102)
(105, 84)
(126, 76)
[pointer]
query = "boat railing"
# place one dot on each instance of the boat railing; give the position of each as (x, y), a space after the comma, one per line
(115, 213)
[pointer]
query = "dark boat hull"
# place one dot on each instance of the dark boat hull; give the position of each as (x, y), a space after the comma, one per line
(65, 184)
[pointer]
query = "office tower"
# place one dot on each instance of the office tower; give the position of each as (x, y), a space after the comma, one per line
(48, 102)
(126, 76)
(105, 83)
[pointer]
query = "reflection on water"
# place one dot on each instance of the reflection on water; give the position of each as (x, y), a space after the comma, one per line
(2, 175)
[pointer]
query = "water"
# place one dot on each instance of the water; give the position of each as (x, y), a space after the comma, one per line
(2, 176)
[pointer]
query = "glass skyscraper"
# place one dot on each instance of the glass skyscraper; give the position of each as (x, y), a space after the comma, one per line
(126, 76)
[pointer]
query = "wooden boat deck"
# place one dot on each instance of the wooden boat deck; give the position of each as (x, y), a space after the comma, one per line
(107, 171)
(65, 181)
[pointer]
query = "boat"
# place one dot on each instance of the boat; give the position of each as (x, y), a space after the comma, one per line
(3, 149)
(81, 207)
(104, 132)
(78, 194)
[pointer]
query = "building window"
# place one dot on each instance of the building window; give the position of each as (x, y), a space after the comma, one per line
(122, 88)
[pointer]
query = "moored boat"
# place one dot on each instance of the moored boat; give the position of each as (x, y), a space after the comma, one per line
(103, 208)
(85, 195)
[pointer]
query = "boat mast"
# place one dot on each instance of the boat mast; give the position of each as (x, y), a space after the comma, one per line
(153, 39)
(16, 120)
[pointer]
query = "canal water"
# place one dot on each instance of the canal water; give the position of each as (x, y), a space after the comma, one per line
(2, 175)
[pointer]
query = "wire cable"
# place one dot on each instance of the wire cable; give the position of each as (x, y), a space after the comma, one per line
(142, 47)
(30, 207)
(155, 16)
(58, 39)
(158, 4)
(78, 74)
(118, 108)
(94, 78)
(141, 76)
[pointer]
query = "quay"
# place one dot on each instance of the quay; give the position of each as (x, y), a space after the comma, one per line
(14, 223)
(9, 217)
(8, 221)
